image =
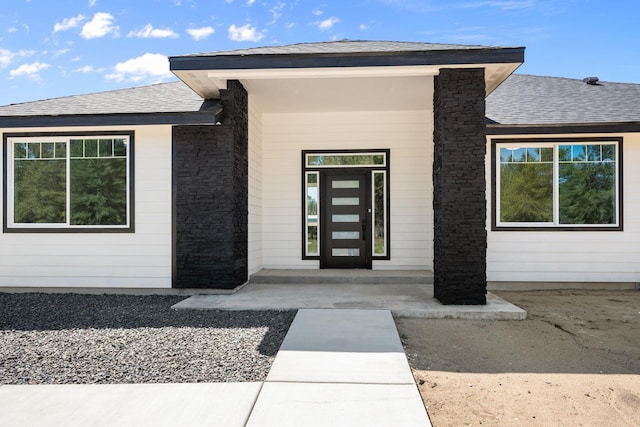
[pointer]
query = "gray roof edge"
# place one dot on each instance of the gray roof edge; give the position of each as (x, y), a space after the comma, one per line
(117, 119)
(562, 128)
(349, 59)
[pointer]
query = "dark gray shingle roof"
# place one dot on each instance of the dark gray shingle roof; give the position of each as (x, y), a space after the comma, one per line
(345, 47)
(174, 97)
(536, 100)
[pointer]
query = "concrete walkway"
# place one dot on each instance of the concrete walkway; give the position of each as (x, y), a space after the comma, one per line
(404, 300)
(335, 367)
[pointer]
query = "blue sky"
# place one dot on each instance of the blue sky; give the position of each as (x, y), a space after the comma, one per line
(66, 47)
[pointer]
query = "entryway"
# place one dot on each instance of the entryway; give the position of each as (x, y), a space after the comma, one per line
(346, 208)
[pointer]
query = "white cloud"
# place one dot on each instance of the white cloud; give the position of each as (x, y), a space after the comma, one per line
(245, 33)
(276, 12)
(7, 56)
(152, 67)
(364, 27)
(317, 12)
(88, 69)
(250, 2)
(200, 33)
(157, 33)
(12, 30)
(92, 3)
(327, 24)
(29, 70)
(68, 23)
(99, 26)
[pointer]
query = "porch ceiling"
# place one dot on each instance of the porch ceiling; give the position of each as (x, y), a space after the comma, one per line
(336, 89)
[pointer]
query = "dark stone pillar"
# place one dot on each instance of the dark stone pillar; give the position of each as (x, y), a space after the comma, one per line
(459, 200)
(210, 180)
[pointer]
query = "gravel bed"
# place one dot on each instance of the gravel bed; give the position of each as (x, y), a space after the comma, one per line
(108, 339)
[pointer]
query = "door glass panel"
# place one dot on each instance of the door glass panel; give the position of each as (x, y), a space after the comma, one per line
(345, 201)
(345, 235)
(345, 252)
(312, 213)
(345, 218)
(345, 184)
(379, 213)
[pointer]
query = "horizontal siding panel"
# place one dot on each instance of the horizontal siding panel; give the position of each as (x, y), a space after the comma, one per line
(566, 266)
(41, 251)
(563, 276)
(82, 260)
(87, 282)
(103, 270)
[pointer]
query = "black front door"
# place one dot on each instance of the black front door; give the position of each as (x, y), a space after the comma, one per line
(345, 218)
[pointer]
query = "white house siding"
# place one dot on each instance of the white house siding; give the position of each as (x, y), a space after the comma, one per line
(571, 257)
(255, 187)
(115, 260)
(408, 134)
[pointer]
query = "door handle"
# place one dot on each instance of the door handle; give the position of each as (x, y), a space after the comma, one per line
(364, 229)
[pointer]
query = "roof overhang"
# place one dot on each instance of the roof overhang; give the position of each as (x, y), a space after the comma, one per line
(495, 129)
(210, 116)
(349, 75)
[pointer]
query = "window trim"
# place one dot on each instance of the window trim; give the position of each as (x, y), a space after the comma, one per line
(496, 226)
(306, 168)
(8, 228)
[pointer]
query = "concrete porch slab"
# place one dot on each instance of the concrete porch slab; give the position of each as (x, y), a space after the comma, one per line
(404, 300)
(313, 404)
(223, 404)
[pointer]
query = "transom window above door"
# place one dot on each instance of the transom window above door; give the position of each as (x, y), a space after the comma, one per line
(374, 229)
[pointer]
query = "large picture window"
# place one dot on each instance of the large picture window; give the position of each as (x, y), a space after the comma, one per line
(68, 182)
(560, 183)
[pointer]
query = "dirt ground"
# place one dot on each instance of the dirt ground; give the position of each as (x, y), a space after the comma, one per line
(575, 361)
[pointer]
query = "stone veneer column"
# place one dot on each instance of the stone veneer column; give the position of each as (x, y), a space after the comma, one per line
(459, 199)
(210, 183)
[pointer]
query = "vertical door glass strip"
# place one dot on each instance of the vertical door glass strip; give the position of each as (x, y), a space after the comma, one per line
(311, 214)
(379, 213)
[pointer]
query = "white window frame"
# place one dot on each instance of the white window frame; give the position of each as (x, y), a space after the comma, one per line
(11, 225)
(555, 144)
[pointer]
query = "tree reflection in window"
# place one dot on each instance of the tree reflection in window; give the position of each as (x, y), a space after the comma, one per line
(584, 191)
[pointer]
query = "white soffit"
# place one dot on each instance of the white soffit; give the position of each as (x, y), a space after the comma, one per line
(336, 89)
